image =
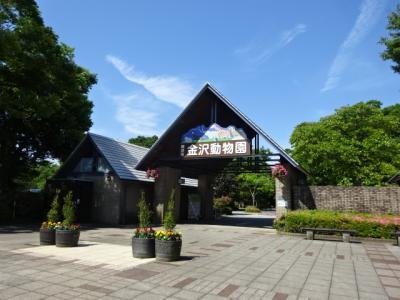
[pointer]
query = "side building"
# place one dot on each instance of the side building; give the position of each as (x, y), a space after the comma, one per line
(101, 173)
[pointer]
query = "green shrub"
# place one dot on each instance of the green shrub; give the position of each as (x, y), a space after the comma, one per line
(68, 210)
(223, 205)
(144, 212)
(54, 213)
(367, 225)
(252, 209)
(169, 222)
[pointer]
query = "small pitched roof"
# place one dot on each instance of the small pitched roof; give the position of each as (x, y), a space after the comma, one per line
(146, 160)
(122, 157)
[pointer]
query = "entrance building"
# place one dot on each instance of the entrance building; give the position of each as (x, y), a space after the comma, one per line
(210, 136)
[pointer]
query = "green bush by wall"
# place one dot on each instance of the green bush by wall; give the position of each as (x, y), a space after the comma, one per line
(367, 225)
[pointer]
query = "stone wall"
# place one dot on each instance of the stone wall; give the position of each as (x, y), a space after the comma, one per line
(361, 199)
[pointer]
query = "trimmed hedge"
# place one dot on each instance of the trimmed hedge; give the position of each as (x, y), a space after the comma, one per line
(252, 209)
(223, 205)
(367, 225)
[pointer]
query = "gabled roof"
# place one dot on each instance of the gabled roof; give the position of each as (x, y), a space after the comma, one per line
(122, 157)
(144, 162)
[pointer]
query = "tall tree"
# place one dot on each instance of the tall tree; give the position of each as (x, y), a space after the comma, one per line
(392, 42)
(357, 145)
(144, 141)
(44, 106)
(255, 184)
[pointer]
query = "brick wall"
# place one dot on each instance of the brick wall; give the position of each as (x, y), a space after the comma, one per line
(362, 199)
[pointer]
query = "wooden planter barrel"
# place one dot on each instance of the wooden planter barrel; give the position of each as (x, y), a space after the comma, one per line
(168, 250)
(67, 238)
(47, 237)
(143, 248)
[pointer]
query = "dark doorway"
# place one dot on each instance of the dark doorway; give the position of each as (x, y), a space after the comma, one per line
(83, 197)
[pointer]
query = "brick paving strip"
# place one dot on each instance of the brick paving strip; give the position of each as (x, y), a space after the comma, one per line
(137, 274)
(184, 282)
(222, 245)
(280, 296)
(228, 290)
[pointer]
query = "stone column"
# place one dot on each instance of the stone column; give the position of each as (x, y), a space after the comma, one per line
(167, 181)
(284, 190)
(206, 192)
(282, 196)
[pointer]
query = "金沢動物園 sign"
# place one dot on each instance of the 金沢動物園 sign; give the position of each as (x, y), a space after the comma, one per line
(214, 141)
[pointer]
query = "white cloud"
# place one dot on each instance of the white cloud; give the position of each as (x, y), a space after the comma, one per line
(370, 12)
(169, 89)
(139, 114)
(258, 54)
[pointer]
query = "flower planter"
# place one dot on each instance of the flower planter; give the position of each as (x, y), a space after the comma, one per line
(47, 236)
(67, 238)
(168, 250)
(143, 248)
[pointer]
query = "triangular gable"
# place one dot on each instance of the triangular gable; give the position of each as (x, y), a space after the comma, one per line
(121, 157)
(163, 140)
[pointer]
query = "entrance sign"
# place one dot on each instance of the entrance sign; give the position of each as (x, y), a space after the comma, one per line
(214, 141)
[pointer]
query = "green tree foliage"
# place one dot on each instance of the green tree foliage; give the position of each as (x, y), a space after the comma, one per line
(392, 42)
(226, 184)
(41, 173)
(44, 106)
(68, 210)
(252, 185)
(357, 145)
(144, 212)
(169, 222)
(54, 213)
(144, 141)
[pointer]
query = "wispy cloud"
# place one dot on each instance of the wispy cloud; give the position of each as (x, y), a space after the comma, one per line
(257, 53)
(169, 89)
(138, 113)
(370, 12)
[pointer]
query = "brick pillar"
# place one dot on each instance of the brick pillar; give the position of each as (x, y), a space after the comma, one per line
(205, 188)
(163, 186)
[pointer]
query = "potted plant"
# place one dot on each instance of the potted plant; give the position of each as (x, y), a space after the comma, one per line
(168, 241)
(143, 245)
(47, 230)
(67, 233)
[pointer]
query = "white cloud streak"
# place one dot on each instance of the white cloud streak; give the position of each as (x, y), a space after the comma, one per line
(370, 12)
(257, 54)
(137, 113)
(169, 89)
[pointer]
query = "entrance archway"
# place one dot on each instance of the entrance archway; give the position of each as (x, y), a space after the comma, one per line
(210, 136)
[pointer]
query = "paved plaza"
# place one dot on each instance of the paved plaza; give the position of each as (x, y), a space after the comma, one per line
(219, 262)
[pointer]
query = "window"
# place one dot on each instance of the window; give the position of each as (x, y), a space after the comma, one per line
(85, 165)
(92, 165)
(102, 165)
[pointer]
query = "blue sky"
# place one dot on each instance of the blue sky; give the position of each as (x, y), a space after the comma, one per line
(280, 62)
